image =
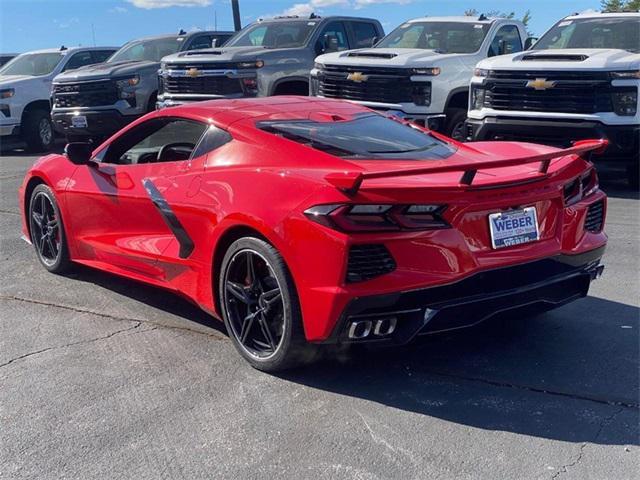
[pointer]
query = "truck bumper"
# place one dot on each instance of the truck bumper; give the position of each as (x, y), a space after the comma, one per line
(623, 139)
(100, 123)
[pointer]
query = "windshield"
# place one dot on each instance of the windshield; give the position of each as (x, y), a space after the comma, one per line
(369, 136)
(151, 50)
(445, 37)
(32, 64)
(274, 35)
(614, 32)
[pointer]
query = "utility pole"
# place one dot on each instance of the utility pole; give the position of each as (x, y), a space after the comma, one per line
(236, 15)
(93, 34)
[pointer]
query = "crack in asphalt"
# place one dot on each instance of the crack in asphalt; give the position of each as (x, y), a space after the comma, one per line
(495, 383)
(605, 421)
(110, 317)
(9, 212)
(67, 345)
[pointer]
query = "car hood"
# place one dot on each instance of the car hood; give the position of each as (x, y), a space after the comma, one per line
(107, 70)
(387, 57)
(7, 81)
(565, 59)
(227, 54)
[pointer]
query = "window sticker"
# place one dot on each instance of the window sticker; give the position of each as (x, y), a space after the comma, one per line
(565, 23)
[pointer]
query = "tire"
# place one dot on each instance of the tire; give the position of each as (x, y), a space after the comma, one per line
(38, 131)
(454, 124)
(247, 312)
(47, 230)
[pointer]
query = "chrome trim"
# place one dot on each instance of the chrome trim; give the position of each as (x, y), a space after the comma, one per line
(393, 321)
(354, 325)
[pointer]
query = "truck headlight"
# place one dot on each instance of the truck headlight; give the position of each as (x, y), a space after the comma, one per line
(7, 93)
(625, 101)
(477, 98)
(431, 71)
(318, 66)
(256, 64)
(128, 82)
(626, 74)
(480, 72)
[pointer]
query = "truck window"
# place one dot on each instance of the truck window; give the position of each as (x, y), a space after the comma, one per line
(32, 64)
(611, 32)
(445, 37)
(100, 56)
(510, 35)
(274, 35)
(199, 42)
(363, 33)
(333, 38)
(78, 60)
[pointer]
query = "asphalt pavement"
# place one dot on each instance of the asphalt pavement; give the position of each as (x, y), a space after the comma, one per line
(101, 377)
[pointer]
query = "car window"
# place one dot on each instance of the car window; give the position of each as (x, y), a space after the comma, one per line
(156, 140)
(100, 56)
(333, 38)
(150, 49)
(609, 32)
(213, 138)
(364, 34)
(32, 64)
(510, 35)
(78, 60)
(445, 37)
(274, 35)
(199, 42)
(221, 39)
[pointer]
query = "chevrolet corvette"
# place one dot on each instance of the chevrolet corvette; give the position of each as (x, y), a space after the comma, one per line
(300, 222)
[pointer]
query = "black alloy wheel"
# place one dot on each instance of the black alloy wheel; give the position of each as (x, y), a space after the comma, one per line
(46, 230)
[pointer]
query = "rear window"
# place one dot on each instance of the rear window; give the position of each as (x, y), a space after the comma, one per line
(369, 136)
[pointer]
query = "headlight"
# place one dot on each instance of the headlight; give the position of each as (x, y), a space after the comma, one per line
(625, 101)
(7, 93)
(480, 72)
(128, 82)
(626, 74)
(477, 98)
(317, 65)
(432, 71)
(256, 64)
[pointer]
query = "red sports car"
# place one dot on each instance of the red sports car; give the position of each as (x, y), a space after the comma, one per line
(303, 221)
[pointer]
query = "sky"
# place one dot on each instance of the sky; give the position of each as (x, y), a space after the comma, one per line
(32, 24)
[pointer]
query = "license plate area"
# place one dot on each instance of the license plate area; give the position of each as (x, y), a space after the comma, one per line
(513, 227)
(79, 121)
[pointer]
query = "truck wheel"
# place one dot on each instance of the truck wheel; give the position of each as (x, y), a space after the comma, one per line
(38, 131)
(454, 125)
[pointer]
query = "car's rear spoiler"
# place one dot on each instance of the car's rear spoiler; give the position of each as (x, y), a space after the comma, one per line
(350, 182)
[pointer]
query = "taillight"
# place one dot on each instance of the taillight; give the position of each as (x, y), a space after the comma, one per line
(580, 187)
(378, 217)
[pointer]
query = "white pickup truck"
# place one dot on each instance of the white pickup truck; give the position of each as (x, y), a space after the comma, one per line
(421, 70)
(580, 80)
(25, 90)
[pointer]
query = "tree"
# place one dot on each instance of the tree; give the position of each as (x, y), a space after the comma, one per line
(526, 18)
(609, 6)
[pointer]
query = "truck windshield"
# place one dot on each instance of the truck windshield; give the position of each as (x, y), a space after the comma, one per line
(369, 136)
(274, 35)
(151, 50)
(609, 32)
(445, 37)
(32, 64)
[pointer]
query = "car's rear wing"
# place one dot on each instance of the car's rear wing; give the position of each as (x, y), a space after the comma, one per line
(350, 182)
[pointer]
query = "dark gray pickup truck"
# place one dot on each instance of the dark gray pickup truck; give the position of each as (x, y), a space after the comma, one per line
(97, 100)
(268, 57)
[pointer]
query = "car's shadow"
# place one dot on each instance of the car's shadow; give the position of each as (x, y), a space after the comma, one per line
(555, 375)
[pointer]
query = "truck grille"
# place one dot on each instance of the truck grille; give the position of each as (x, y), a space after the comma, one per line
(564, 92)
(595, 217)
(85, 94)
(368, 261)
(383, 85)
(200, 84)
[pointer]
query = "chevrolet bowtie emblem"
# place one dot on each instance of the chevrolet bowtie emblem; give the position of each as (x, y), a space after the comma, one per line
(540, 84)
(193, 72)
(357, 77)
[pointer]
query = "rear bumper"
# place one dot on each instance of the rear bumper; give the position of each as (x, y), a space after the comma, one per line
(538, 286)
(624, 141)
(100, 123)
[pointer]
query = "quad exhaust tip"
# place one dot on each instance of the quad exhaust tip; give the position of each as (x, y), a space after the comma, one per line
(382, 327)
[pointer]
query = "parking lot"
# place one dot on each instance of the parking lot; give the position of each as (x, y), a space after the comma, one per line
(101, 377)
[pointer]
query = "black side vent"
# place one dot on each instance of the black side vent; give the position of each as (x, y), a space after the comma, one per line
(372, 55)
(554, 58)
(595, 217)
(368, 261)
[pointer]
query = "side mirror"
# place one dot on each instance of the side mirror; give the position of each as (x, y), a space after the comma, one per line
(502, 47)
(214, 43)
(374, 40)
(529, 42)
(79, 153)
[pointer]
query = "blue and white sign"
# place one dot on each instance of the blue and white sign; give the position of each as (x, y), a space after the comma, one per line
(513, 227)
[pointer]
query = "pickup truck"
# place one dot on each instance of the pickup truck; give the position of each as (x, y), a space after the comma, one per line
(96, 101)
(421, 70)
(25, 87)
(269, 57)
(580, 80)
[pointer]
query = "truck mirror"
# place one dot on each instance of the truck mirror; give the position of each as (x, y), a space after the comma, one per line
(374, 40)
(502, 47)
(214, 42)
(529, 42)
